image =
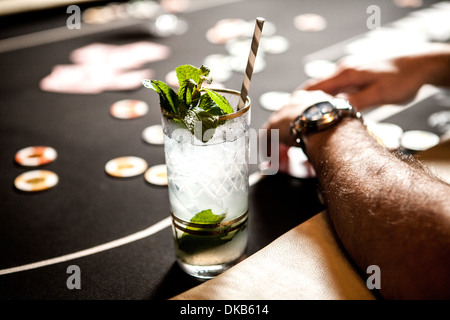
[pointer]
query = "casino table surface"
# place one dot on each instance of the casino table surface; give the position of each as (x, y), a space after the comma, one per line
(40, 233)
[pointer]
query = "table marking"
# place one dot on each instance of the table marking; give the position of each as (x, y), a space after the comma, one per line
(103, 247)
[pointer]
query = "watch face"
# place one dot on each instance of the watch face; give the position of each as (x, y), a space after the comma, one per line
(321, 116)
(317, 111)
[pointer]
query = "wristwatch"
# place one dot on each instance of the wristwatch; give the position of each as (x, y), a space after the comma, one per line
(321, 116)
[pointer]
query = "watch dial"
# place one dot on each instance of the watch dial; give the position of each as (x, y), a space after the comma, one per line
(317, 111)
(326, 107)
(313, 113)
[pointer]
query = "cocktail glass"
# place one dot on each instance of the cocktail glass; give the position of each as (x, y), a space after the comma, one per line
(208, 190)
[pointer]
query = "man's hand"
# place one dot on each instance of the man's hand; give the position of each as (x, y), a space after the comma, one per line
(381, 82)
(389, 81)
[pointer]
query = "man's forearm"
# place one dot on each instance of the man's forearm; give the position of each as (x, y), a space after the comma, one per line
(386, 212)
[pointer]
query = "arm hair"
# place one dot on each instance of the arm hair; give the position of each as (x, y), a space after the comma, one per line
(387, 210)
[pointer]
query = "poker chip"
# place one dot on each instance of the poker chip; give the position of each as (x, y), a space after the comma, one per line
(217, 60)
(239, 65)
(408, 3)
(220, 75)
(310, 22)
(225, 30)
(319, 69)
(168, 24)
(220, 66)
(389, 134)
(36, 180)
(298, 165)
(274, 100)
(175, 6)
(157, 175)
(238, 47)
(418, 140)
(271, 45)
(153, 134)
(98, 15)
(129, 109)
(35, 156)
(142, 9)
(274, 44)
(124, 167)
(440, 120)
(228, 29)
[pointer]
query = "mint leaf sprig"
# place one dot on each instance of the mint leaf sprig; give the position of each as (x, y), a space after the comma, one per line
(193, 102)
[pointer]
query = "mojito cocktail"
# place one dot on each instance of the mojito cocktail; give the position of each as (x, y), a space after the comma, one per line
(207, 165)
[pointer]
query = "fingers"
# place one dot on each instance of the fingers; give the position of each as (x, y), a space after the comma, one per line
(362, 99)
(343, 79)
(359, 87)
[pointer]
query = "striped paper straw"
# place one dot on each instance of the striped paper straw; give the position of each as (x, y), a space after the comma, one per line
(251, 61)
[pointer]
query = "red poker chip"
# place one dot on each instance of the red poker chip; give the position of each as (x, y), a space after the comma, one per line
(35, 156)
(408, 3)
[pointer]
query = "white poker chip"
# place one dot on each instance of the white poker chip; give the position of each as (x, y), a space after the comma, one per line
(270, 45)
(440, 120)
(319, 69)
(129, 109)
(225, 30)
(153, 134)
(299, 165)
(157, 175)
(217, 60)
(239, 65)
(274, 44)
(142, 9)
(274, 100)
(124, 167)
(220, 67)
(239, 47)
(36, 180)
(168, 24)
(418, 140)
(389, 134)
(35, 156)
(218, 75)
(310, 22)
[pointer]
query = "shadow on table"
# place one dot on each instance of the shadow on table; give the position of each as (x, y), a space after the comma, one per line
(175, 281)
(277, 204)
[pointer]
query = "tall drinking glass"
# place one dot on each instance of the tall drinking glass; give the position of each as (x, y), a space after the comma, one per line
(208, 191)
